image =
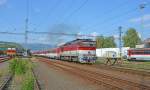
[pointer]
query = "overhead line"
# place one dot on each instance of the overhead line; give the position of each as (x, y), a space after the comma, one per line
(76, 10)
(12, 33)
(47, 33)
(110, 11)
(51, 11)
(116, 8)
(113, 18)
(66, 34)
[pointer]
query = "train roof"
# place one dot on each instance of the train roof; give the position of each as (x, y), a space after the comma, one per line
(82, 40)
(79, 40)
(139, 49)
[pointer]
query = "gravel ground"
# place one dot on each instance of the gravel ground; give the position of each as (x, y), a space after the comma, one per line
(115, 73)
(54, 79)
(4, 68)
(3, 65)
(3, 71)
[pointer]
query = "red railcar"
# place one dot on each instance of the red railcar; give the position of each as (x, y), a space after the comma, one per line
(11, 52)
(142, 54)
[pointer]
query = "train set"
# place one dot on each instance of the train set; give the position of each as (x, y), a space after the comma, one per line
(84, 51)
(79, 50)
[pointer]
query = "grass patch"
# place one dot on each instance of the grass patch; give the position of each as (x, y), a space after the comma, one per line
(136, 65)
(28, 83)
(100, 61)
(129, 64)
(18, 66)
(22, 69)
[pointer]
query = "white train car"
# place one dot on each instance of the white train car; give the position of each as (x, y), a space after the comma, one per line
(112, 52)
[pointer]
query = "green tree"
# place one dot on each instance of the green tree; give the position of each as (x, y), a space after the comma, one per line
(105, 42)
(131, 38)
(100, 42)
(109, 42)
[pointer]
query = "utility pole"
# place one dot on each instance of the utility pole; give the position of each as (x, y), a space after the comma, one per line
(120, 41)
(101, 42)
(26, 31)
(141, 7)
(26, 26)
(26, 22)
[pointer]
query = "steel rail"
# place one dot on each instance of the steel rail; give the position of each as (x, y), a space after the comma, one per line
(6, 82)
(91, 75)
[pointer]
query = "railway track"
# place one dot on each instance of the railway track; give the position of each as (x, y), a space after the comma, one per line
(6, 82)
(125, 70)
(36, 83)
(101, 79)
(120, 69)
(4, 59)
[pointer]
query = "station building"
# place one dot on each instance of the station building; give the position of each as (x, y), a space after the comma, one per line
(145, 44)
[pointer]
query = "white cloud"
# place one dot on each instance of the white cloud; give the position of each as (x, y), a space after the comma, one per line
(79, 35)
(145, 17)
(2, 2)
(94, 34)
(116, 36)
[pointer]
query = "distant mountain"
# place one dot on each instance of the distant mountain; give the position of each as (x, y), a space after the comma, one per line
(34, 46)
(37, 46)
(4, 44)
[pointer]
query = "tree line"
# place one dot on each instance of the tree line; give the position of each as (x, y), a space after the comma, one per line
(130, 39)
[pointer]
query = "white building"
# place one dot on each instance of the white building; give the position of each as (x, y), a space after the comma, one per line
(101, 52)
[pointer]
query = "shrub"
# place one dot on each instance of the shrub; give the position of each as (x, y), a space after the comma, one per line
(28, 83)
(18, 66)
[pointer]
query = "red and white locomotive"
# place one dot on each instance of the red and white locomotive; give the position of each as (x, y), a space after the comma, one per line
(79, 50)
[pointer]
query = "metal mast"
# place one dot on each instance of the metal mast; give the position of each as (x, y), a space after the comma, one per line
(120, 41)
(27, 22)
(141, 7)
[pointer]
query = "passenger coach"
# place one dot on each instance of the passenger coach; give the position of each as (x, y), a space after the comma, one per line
(140, 54)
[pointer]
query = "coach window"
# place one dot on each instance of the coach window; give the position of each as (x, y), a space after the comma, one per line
(147, 52)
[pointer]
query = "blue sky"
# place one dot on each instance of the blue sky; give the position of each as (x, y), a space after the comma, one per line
(102, 17)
